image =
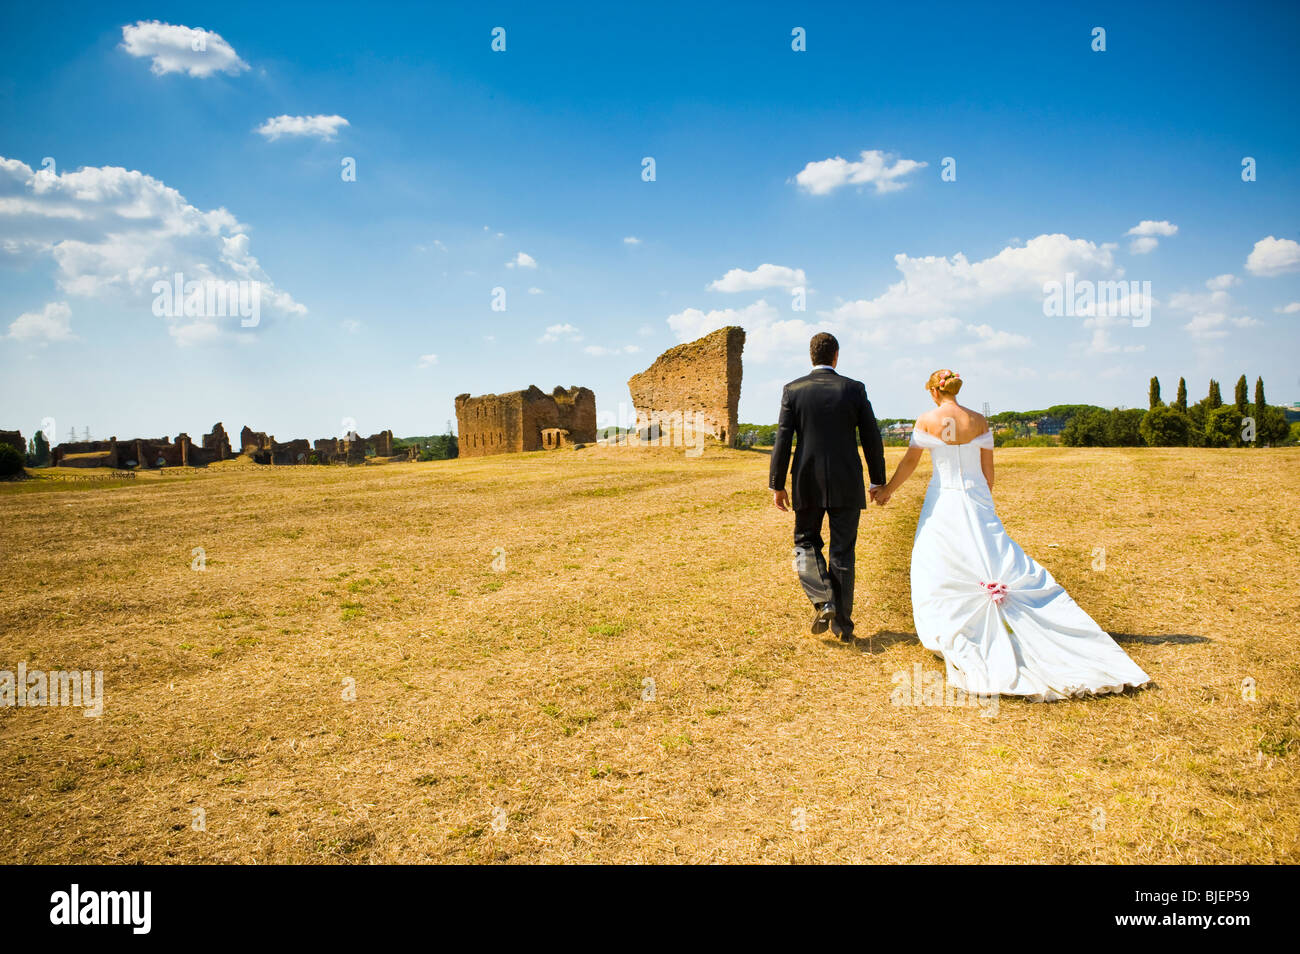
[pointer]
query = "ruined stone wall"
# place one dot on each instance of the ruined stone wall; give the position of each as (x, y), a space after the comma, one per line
(490, 424)
(290, 452)
(216, 445)
(262, 447)
(15, 440)
(85, 454)
(382, 443)
(694, 385)
(513, 422)
(251, 441)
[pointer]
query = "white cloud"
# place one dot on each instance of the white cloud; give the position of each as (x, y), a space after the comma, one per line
(564, 331)
(522, 260)
(988, 338)
(181, 49)
(534, 291)
(1210, 325)
(427, 361)
(925, 305)
(631, 240)
(765, 276)
(114, 232)
(767, 334)
(1102, 323)
(1291, 309)
(1212, 310)
(1274, 256)
(350, 325)
(645, 331)
(601, 350)
(1148, 227)
(322, 127)
(883, 170)
(48, 324)
(1146, 232)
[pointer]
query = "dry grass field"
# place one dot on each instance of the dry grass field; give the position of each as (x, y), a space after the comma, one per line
(500, 618)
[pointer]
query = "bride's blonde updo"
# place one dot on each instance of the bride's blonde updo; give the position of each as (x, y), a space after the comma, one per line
(944, 381)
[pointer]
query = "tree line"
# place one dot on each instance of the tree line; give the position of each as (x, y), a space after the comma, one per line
(1207, 423)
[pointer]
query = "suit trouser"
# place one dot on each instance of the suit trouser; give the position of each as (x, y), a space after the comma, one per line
(820, 581)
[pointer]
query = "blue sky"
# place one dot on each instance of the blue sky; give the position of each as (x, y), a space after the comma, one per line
(522, 170)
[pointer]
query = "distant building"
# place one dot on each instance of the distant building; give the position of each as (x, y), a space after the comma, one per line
(899, 429)
(1049, 425)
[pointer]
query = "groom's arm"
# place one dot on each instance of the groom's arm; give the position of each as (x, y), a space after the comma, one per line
(780, 465)
(873, 448)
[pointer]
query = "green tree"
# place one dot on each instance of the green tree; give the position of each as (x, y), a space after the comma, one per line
(11, 462)
(1239, 396)
(1196, 415)
(42, 449)
(1086, 429)
(1165, 427)
(1153, 394)
(1124, 428)
(1180, 402)
(1273, 428)
(1215, 399)
(1223, 427)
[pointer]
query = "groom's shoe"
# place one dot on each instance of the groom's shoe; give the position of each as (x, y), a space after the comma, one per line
(841, 632)
(825, 614)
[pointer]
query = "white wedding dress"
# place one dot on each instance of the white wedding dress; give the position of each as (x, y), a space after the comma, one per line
(1001, 622)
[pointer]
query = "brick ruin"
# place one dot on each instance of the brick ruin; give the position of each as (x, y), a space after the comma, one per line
(527, 420)
(15, 440)
(692, 387)
(183, 452)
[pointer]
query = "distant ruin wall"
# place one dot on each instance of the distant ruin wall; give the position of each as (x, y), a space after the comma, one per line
(182, 452)
(216, 445)
(15, 440)
(513, 422)
(697, 382)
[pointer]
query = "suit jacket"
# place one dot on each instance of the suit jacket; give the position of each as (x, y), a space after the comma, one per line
(825, 409)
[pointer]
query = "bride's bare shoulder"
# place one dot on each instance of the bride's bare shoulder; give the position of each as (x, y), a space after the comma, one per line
(928, 421)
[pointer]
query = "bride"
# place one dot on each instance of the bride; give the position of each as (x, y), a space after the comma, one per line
(1001, 622)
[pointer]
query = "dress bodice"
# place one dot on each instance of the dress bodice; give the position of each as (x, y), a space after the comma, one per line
(956, 466)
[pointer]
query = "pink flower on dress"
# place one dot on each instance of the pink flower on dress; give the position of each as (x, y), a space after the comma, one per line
(997, 592)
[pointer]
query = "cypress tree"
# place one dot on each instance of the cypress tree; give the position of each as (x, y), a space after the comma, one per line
(1239, 394)
(1181, 401)
(1215, 398)
(1153, 393)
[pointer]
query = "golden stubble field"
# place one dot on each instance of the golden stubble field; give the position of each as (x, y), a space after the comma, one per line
(500, 619)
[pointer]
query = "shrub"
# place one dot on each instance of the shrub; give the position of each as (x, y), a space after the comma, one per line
(1086, 429)
(1165, 427)
(11, 462)
(1223, 427)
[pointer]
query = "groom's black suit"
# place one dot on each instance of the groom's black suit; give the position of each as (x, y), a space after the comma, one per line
(827, 413)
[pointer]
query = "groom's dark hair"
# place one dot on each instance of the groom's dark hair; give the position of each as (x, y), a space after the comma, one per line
(823, 348)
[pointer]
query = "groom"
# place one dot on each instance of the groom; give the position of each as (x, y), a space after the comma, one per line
(825, 411)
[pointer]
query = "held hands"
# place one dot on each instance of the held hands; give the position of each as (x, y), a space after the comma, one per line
(880, 495)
